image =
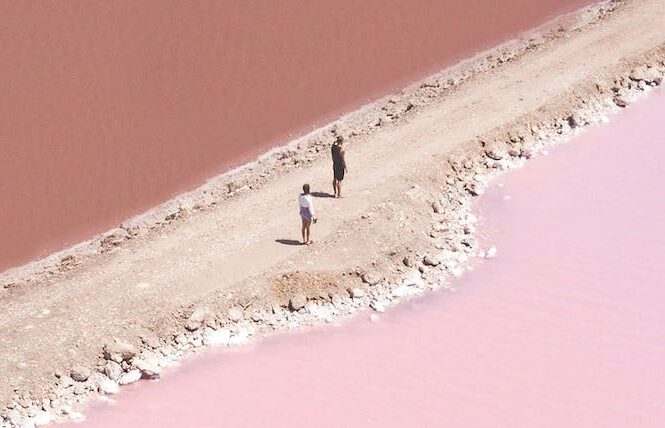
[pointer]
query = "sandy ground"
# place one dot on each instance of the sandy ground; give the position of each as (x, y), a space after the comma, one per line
(237, 252)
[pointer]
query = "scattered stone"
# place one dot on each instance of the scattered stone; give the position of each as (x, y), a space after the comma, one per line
(412, 279)
(371, 279)
(338, 300)
(130, 377)
(377, 306)
(108, 386)
(236, 314)
(181, 339)
(430, 260)
(374, 318)
(526, 153)
(221, 337)
(119, 351)
(407, 261)
(113, 370)
(197, 316)
(456, 271)
(620, 102)
(475, 188)
(403, 291)
(297, 302)
(491, 253)
(192, 325)
(148, 363)
(436, 206)
(80, 374)
(495, 152)
(356, 293)
(648, 75)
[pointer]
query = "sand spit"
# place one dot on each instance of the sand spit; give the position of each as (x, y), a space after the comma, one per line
(412, 232)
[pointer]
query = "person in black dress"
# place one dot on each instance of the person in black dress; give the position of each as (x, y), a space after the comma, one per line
(339, 166)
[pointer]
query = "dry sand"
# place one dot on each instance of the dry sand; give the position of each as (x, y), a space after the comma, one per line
(216, 266)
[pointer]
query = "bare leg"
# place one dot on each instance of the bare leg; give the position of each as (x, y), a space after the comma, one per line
(304, 230)
(339, 189)
(335, 187)
(309, 232)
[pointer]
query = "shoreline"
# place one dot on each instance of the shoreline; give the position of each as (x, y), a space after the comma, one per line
(303, 298)
(361, 122)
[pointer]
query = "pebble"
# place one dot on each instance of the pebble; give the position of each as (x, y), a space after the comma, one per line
(371, 279)
(430, 260)
(80, 374)
(491, 253)
(108, 386)
(297, 302)
(119, 351)
(356, 293)
(42, 418)
(377, 306)
(236, 314)
(181, 339)
(113, 370)
(374, 318)
(149, 367)
(221, 337)
(130, 377)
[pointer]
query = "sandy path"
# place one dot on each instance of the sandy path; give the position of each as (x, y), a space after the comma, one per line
(132, 288)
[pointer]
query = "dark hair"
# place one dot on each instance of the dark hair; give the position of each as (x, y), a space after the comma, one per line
(339, 139)
(305, 189)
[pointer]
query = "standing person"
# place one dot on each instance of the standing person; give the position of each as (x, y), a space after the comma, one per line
(339, 165)
(306, 213)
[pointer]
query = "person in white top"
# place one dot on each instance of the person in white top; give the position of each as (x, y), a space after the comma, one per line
(306, 205)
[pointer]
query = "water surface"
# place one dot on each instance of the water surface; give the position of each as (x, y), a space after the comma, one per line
(565, 328)
(108, 108)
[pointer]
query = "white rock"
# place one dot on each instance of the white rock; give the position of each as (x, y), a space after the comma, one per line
(107, 386)
(119, 351)
(356, 293)
(241, 337)
(412, 279)
(377, 306)
(430, 260)
(113, 370)
(456, 271)
(80, 374)
(236, 314)
(374, 318)
(491, 253)
(221, 337)
(43, 418)
(404, 291)
(130, 377)
(297, 302)
(76, 417)
(148, 367)
(371, 279)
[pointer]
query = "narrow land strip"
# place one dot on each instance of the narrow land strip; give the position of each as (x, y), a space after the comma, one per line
(233, 254)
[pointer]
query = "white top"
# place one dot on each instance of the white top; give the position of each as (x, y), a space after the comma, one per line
(305, 201)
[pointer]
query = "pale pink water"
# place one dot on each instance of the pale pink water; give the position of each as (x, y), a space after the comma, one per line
(565, 328)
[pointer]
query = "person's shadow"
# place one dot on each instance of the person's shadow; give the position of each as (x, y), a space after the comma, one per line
(288, 242)
(322, 195)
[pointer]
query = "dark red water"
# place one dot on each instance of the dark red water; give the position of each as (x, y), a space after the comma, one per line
(108, 108)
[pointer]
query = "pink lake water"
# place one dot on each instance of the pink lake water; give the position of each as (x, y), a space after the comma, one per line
(565, 328)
